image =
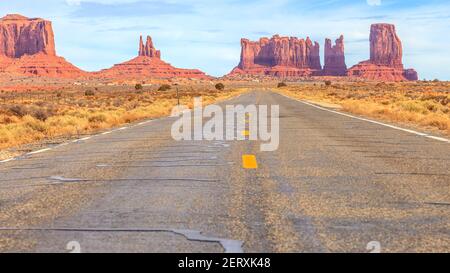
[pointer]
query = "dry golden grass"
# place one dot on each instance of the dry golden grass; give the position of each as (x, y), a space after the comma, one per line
(27, 117)
(422, 104)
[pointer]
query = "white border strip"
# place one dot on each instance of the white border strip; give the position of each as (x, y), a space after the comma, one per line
(372, 121)
(7, 160)
(39, 151)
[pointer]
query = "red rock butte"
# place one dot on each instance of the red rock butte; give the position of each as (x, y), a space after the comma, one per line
(279, 57)
(148, 64)
(386, 53)
(335, 58)
(286, 57)
(27, 46)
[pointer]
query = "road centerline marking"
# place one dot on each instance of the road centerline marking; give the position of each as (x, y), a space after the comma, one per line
(249, 162)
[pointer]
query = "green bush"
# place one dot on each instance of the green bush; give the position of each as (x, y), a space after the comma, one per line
(328, 83)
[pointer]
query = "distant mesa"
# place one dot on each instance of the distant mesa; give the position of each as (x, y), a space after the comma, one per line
(386, 55)
(148, 64)
(27, 46)
(279, 57)
(290, 57)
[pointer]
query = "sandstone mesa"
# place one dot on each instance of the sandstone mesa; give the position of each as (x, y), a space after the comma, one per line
(290, 57)
(279, 57)
(27, 47)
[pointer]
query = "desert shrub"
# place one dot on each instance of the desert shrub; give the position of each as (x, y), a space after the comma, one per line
(220, 86)
(281, 84)
(9, 119)
(438, 122)
(40, 114)
(117, 103)
(328, 83)
(89, 93)
(411, 107)
(97, 118)
(18, 110)
(35, 124)
(164, 87)
(138, 87)
(431, 106)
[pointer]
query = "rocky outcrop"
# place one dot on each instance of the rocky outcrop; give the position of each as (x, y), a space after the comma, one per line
(385, 62)
(335, 58)
(27, 47)
(279, 56)
(148, 49)
(385, 46)
(148, 64)
(411, 75)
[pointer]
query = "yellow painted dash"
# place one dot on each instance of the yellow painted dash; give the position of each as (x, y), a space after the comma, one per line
(245, 133)
(249, 162)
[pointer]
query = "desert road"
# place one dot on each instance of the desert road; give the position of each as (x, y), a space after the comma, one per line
(336, 184)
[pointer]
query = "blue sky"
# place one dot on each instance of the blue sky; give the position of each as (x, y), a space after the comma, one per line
(205, 34)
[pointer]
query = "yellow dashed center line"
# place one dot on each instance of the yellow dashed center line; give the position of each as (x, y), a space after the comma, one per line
(249, 162)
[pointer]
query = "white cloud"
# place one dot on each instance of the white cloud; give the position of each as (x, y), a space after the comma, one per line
(374, 2)
(73, 2)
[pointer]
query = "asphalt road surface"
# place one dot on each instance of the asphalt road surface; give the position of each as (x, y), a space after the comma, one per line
(336, 184)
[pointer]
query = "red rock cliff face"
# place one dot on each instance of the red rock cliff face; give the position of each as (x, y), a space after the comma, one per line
(279, 56)
(385, 62)
(335, 58)
(27, 47)
(385, 46)
(21, 36)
